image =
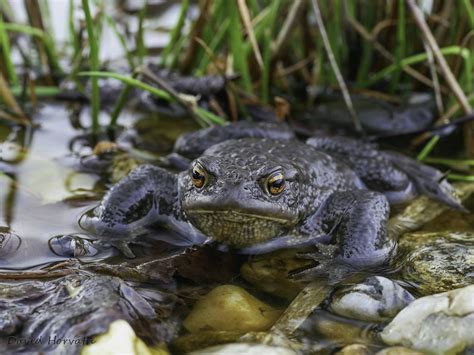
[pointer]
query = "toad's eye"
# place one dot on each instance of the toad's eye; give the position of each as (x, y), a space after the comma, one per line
(198, 175)
(276, 183)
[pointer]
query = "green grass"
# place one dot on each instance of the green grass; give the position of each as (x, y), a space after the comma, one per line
(377, 59)
(236, 46)
(7, 57)
(44, 37)
(418, 58)
(141, 48)
(206, 116)
(94, 65)
(175, 34)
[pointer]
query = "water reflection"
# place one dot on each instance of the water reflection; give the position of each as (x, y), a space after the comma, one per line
(41, 193)
(9, 242)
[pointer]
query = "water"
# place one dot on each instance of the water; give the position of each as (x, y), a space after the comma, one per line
(40, 179)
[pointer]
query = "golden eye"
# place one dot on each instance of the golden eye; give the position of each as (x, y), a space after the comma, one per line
(276, 183)
(198, 175)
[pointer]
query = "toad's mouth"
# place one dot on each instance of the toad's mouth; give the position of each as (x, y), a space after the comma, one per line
(238, 229)
(238, 216)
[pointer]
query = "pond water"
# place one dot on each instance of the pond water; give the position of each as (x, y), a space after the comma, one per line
(39, 185)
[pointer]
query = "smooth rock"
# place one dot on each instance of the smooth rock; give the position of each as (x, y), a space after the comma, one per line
(437, 261)
(354, 349)
(338, 330)
(398, 350)
(270, 273)
(245, 349)
(120, 338)
(377, 299)
(441, 323)
(230, 308)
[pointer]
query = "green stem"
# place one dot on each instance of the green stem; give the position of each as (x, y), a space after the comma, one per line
(129, 81)
(453, 50)
(175, 33)
(122, 41)
(447, 161)
(141, 48)
(236, 46)
(43, 36)
(428, 148)
(400, 46)
(459, 177)
(45, 91)
(266, 67)
(94, 64)
(5, 45)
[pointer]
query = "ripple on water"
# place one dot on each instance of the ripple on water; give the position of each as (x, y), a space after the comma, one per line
(40, 188)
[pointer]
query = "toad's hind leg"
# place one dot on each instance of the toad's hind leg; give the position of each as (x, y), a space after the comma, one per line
(398, 177)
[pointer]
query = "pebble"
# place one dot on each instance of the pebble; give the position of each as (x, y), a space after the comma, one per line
(230, 308)
(377, 299)
(440, 323)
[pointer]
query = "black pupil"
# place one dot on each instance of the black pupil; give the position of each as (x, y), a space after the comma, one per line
(277, 184)
(197, 175)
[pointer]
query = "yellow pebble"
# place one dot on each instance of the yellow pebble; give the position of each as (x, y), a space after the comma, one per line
(230, 308)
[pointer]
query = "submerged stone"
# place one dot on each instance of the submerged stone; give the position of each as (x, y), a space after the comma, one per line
(248, 349)
(398, 350)
(230, 308)
(441, 323)
(437, 261)
(354, 349)
(337, 330)
(270, 273)
(377, 299)
(120, 338)
(204, 339)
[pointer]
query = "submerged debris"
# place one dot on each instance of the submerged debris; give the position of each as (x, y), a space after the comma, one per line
(66, 313)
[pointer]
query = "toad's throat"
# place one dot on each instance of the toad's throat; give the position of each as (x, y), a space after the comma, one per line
(238, 229)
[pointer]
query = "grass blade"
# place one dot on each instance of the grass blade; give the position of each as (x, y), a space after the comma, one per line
(141, 48)
(236, 46)
(417, 58)
(129, 81)
(94, 64)
(5, 45)
(175, 33)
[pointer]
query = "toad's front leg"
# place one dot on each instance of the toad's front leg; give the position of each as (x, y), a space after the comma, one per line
(147, 196)
(356, 223)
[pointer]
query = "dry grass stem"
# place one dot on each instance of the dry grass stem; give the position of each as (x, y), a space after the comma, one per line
(245, 16)
(335, 68)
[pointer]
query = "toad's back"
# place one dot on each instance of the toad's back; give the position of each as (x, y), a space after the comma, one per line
(315, 170)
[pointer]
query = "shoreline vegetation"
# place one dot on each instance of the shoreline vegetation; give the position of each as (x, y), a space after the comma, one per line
(378, 49)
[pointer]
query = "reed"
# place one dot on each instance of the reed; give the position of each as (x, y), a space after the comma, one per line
(94, 65)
